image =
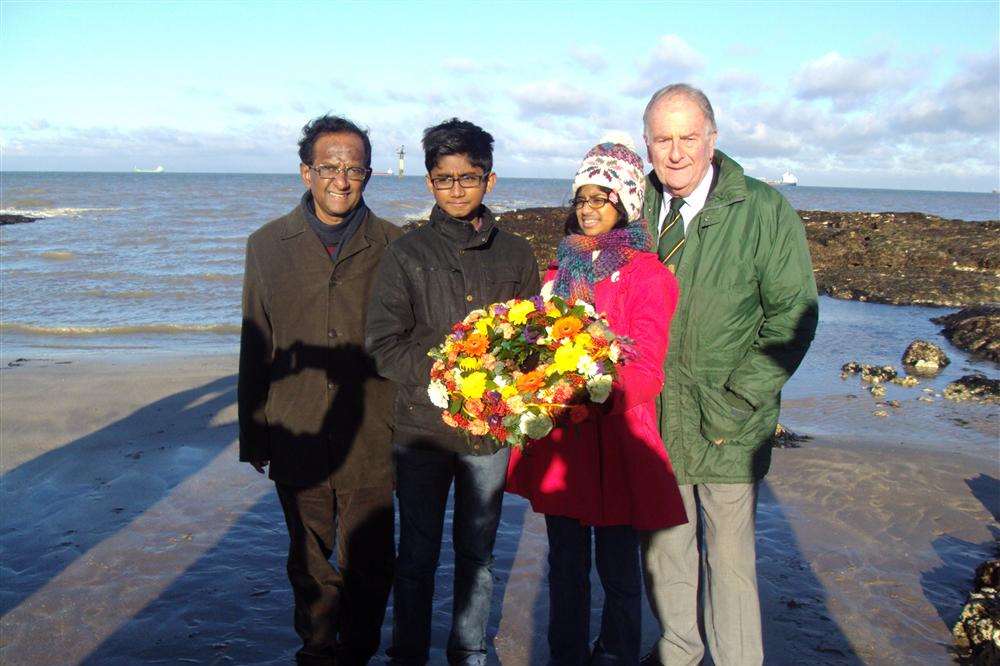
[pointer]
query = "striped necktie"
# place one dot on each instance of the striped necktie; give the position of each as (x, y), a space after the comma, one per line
(672, 234)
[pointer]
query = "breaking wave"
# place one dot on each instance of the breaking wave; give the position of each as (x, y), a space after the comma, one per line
(53, 212)
(142, 329)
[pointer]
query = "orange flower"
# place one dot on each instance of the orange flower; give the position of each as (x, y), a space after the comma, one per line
(476, 344)
(530, 382)
(566, 327)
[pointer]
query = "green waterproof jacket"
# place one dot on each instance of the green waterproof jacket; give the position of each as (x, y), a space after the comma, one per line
(746, 316)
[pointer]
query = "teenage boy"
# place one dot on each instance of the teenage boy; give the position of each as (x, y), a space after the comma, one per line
(427, 281)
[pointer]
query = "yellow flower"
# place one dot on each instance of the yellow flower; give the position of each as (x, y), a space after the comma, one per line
(473, 386)
(583, 340)
(467, 363)
(567, 357)
(518, 314)
(508, 392)
(483, 325)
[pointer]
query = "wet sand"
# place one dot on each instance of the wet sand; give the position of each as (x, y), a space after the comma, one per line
(130, 534)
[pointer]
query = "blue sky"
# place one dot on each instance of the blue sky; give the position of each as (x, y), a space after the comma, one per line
(843, 94)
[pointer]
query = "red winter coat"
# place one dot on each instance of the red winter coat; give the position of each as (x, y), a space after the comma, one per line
(613, 469)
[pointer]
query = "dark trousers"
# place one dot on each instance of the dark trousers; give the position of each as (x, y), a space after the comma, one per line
(423, 478)
(617, 550)
(339, 608)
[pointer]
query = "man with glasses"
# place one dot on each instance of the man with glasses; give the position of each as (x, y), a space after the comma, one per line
(430, 279)
(745, 319)
(311, 407)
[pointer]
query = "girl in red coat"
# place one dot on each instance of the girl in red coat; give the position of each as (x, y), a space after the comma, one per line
(606, 478)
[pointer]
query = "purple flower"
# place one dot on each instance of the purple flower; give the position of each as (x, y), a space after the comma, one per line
(531, 335)
(458, 335)
(538, 301)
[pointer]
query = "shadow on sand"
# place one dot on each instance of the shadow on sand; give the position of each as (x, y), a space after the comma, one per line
(55, 512)
(947, 586)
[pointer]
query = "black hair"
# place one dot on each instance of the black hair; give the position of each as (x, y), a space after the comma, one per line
(458, 137)
(327, 124)
(572, 225)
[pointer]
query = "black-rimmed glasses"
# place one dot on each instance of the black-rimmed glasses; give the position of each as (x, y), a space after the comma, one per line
(466, 180)
(328, 171)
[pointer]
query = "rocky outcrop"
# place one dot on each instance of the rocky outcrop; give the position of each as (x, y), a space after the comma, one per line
(976, 330)
(977, 632)
(924, 358)
(904, 258)
(977, 387)
(6, 218)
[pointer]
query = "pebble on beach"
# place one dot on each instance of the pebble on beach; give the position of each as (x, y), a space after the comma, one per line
(977, 632)
(783, 438)
(976, 387)
(924, 358)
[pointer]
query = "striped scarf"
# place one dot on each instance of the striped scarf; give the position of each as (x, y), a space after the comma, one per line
(578, 271)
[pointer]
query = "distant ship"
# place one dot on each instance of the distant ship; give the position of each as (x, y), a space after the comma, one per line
(787, 179)
(158, 169)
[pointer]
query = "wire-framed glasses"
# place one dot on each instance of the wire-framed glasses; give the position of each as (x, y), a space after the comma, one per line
(328, 171)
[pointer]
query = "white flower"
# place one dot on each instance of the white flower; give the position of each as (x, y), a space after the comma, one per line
(500, 381)
(588, 308)
(438, 394)
(599, 388)
(614, 352)
(586, 366)
(535, 426)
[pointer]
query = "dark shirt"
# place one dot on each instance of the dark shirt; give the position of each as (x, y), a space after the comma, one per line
(333, 236)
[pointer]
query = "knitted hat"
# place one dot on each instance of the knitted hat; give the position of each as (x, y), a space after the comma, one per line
(614, 164)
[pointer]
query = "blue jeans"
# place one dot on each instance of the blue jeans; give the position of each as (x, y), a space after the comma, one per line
(617, 549)
(423, 478)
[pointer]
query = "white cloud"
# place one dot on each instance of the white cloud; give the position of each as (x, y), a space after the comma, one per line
(670, 61)
(591, 58)
(849, 82)
(551, 97)
(463, 65)
(736, 80)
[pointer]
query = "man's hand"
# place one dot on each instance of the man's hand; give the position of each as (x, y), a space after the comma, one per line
(723, 414)
(259, 465)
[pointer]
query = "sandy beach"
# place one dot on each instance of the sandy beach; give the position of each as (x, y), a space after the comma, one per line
(132, 535)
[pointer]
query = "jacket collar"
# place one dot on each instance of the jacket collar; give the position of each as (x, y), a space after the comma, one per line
(730, 188)
(461, 232)
(296, 225)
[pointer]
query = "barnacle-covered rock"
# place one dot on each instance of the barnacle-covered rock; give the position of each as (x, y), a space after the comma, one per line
(924, 358)
(874, 374)
(977, 632)
(976, 387)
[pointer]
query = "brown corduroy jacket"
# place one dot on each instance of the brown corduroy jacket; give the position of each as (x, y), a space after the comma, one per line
(309, 399)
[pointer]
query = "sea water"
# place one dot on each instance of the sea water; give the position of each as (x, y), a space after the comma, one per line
(155, 261)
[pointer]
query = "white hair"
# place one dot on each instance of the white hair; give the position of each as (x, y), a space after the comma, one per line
(686, 91)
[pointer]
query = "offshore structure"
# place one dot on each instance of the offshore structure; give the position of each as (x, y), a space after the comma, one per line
(401, 153)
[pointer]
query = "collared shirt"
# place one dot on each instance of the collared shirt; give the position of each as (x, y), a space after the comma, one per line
(693, 203)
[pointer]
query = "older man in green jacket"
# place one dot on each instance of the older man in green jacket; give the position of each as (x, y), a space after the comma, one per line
(746, 316)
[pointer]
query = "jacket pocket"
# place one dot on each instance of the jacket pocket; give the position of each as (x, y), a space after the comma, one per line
(720, 418)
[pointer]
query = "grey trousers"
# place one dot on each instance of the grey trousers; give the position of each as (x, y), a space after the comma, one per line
(729, 564)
